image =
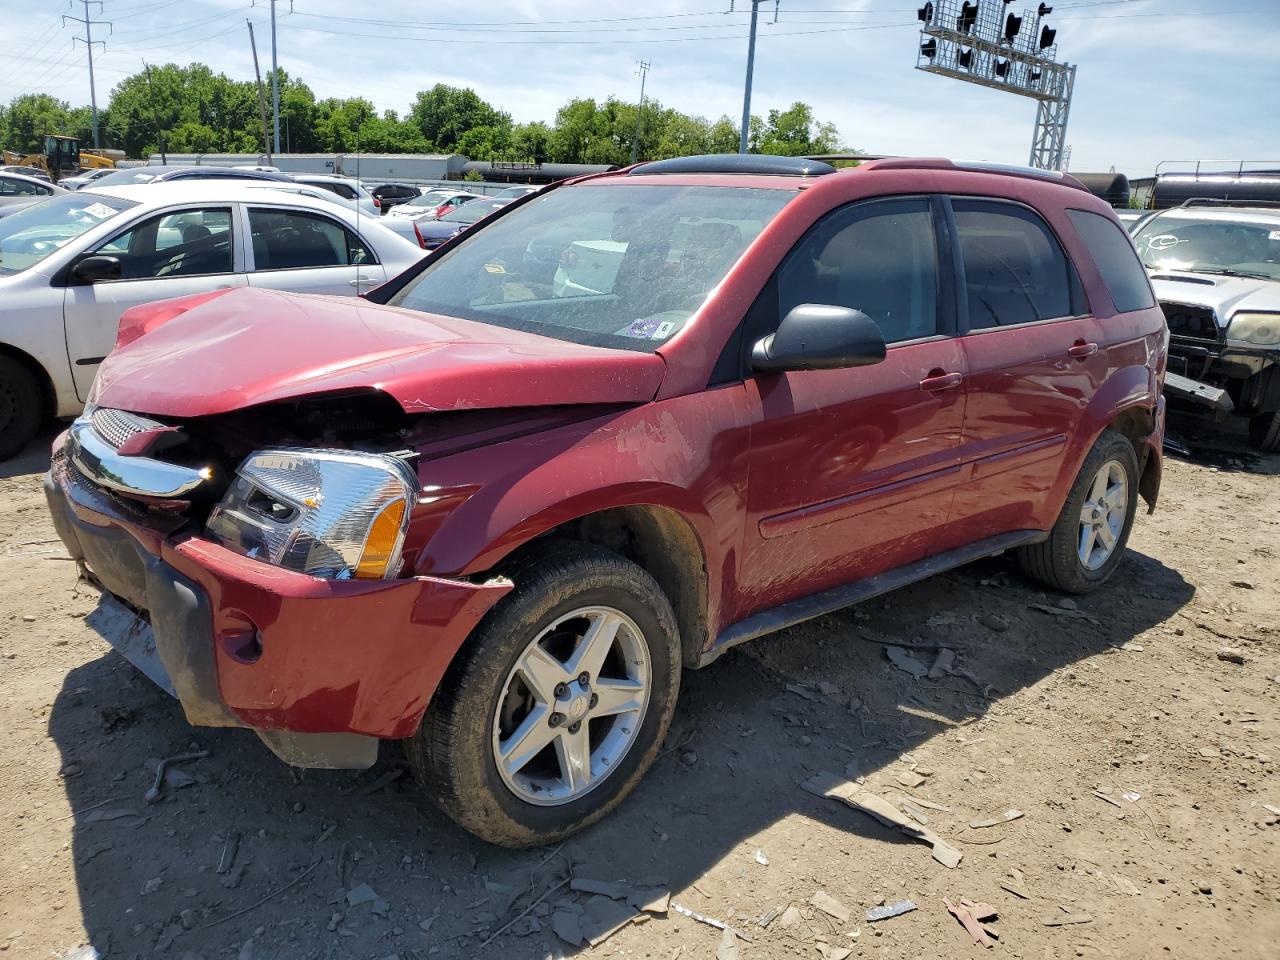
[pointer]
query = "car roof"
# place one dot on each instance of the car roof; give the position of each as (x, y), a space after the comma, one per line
(26, 179)
(212, 191)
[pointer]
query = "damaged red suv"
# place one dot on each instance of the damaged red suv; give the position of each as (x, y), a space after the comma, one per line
(617, 428)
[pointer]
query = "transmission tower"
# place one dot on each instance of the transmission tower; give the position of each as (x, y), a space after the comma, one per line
(89, 23)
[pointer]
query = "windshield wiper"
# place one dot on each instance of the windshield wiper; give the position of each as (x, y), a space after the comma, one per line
(1227, 272)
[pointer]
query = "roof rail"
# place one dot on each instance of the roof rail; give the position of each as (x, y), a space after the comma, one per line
(740, 163)
(975, 166)
(1220, 202)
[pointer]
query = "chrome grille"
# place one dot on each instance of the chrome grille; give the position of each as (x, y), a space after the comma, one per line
(117, 426)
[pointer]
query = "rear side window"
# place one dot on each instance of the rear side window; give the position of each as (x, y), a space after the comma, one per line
(292, 240)
(1116, 260)
(876, 257)
(1015, 270)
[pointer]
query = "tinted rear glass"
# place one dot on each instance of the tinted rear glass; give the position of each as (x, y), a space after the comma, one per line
(1116, 260)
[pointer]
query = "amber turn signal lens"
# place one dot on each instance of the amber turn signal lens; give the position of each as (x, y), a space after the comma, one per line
(380, 547)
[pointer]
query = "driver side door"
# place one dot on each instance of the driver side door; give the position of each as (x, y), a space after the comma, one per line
(171, 254)
(852, 471)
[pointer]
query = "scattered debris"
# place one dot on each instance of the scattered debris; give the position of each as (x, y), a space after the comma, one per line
(909, 778)
(229, 849)
(800, 691)
(270, 896)
(761, 858)
(93, 851)
(912, 811)
(943, 664)
(713, 922)
(972, 916)
(928, 804)
(1242, 584)
(565, 926)
(361, 894)
(790, 918)
(1066, 918)
(1016, 891)
(1102, 796)
(602, 917)
(836, 788)
(1231, 655)
(829, 952)
(156, 792)
(604, 888)
(728, 946)
(1060, 611)
(993, 621)
(1131, 795)
(830, 906)
(1003, 817)
(827, 688)
(906, 662)
(768, 917)
(890, 910)
(374, 786)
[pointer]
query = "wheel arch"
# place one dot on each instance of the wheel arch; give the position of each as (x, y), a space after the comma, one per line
(48, 393)
(660, 540)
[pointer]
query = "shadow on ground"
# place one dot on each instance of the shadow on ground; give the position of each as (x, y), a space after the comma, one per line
(1223, 444)
(149, 880)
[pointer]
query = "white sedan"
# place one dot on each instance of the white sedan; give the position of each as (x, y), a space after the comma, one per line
(73, 263)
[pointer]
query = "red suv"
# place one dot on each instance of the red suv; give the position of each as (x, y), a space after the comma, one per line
(612, 431)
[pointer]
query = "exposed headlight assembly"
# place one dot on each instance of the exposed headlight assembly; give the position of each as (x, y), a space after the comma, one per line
(335, 514)
(1260, 328)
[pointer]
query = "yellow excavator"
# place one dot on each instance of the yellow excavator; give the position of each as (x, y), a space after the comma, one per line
(62, 157)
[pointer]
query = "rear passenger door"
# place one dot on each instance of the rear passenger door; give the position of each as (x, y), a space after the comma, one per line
(851, 471)
(1035, 359)
(307, 252)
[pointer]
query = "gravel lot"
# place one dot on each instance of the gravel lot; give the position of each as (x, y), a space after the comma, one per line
(1142, 763)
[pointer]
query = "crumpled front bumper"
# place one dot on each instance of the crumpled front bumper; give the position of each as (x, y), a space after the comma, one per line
(319, 669)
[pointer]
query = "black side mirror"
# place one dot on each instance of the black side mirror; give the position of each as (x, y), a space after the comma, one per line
(96, 269)
(819, 337)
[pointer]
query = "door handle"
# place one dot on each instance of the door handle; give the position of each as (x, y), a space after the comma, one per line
(1081, 349)
(937, 380)
(361, 280)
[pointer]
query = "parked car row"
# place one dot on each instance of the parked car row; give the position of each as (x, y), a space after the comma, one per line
(606, 432)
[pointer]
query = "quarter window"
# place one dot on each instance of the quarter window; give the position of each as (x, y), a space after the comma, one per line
(1015, 271)
(1114, 256)
(292, 239)
(878, 257)
(187, 243)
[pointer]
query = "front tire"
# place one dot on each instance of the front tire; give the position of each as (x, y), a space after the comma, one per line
(1264, 432)
(558, 703)
(21, 407)
(1088, 540)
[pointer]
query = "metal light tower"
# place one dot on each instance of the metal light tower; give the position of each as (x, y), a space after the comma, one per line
(980, 41)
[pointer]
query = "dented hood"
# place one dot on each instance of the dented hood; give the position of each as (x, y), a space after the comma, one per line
(252, 346)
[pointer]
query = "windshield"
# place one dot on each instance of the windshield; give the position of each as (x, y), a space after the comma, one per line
(30, 235)
(1211, 246)
(471, 212)
(619, 265)
(125, 178)
(432, 199)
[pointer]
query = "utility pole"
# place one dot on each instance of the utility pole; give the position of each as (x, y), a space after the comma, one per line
(262, 99)
(751, 62)
(155, 121)
(275, 80)
(642, 68)
(88, 41)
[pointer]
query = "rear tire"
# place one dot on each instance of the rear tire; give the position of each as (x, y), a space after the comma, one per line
(500, 748)
(1264, 432)
(21, 407)
(1088, 540)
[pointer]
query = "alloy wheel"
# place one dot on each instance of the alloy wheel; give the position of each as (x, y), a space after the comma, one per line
(1103, 514)
(572, 706)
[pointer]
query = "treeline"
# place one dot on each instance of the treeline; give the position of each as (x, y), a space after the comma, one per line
(191, 109)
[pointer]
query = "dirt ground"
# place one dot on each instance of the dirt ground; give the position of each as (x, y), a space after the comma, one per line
(1142, 764)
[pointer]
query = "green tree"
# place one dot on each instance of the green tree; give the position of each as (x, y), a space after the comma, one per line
(444, 114)
(30, 117)
(793, 133)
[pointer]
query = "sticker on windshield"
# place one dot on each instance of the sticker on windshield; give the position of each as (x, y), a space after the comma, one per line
(645, 327)
(99, 210)
(1274, 235)
(664, 330)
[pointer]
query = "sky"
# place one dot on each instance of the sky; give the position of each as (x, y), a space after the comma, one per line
(1157, 79)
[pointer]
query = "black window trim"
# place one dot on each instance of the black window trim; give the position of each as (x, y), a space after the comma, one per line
(156, 215)
(739, 344)
(250, 206)
(1078, 296)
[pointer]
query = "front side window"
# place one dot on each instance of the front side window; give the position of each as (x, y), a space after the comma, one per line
(1243, 247)
(878, 257)
(293, 240)
(12, 187)
(616, 265)
(30, 235)
(1114, 256)
(1015, 271)
(185, 243)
